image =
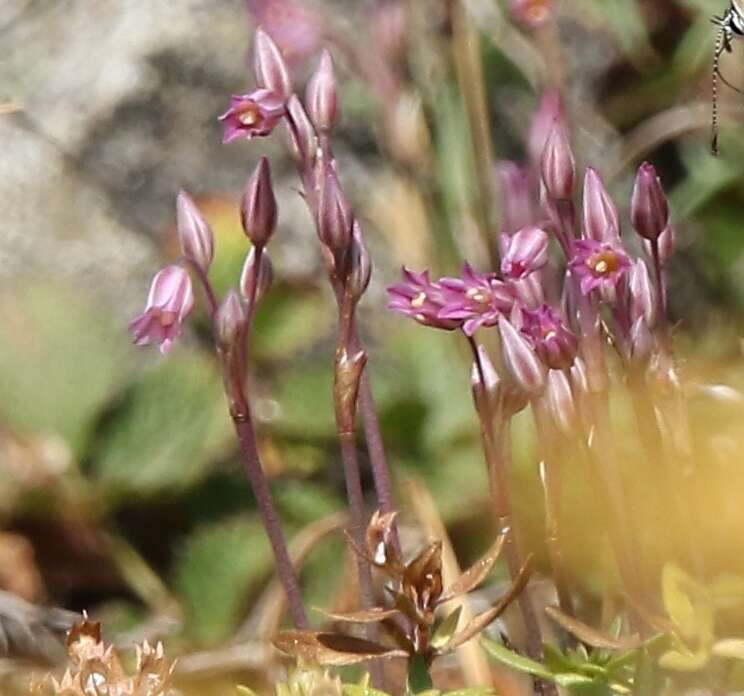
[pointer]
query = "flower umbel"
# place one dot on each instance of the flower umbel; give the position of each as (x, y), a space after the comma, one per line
(170, 300)
(598, 265)
(252, 115)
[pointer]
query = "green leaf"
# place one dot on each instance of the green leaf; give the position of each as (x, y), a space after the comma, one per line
(444, 632)
(518, 662)
(556, 661)
(215, 571)
(61, 359)
(419, 679)
(173, 424)
(362, 688)
(571, 680)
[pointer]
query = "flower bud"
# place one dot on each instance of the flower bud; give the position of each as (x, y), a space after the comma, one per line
(269, 66)
(601, 221)
(520, 360)
(666, 244)
(549, 111)
(321, 97)
(359, 266)
(579, 377)
(642, 293)
(248, 277)
(302, 133)
(230, 320)
(561, 405)
(258, 207)
(557, 164)
(649, 209)
(525, 251)
(194, 234)
(335, 217)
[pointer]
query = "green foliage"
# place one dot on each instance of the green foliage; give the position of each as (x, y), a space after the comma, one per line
(216, 569)
(172, 425)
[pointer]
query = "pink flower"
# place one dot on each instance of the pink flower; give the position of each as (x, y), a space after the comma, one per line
(598, 265)
(476, 299)
(525, 252)
(555, 344)
(251, 115)
(170, 300)
(419, 298)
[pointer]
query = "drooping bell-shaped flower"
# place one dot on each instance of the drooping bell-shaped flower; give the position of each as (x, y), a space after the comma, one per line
(169, 302)
(252, 115)
(421, 299)
(598, 265)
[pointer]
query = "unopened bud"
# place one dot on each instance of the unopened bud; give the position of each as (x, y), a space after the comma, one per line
(269, 66)
(520, 360)
(301, 130)
(549, 111)
(642, 293)
(321, 98)
(525, 252)
(649, 208)
(666, 243)
(258, 207)
(335, 217)
(230, 320)
(194, 233)
(557, 164)
(641, 342)
(601, 221)
(248, 280)
(561, 403)
(359, 265)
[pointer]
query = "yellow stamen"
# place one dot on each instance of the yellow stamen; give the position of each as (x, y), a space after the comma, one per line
(419, 300)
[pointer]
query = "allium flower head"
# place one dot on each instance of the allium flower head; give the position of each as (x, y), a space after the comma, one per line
(476, 299)
(252, 115)
(555, 344)
(421, 299)
(598, 265)
(170, 300)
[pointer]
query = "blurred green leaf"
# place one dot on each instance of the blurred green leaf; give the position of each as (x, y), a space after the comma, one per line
(61, 358)
(305, 396)
(446, 629)
(216, 568)
(172, 425)
(507, 657)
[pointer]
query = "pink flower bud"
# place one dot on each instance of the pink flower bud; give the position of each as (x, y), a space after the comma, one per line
(194, 234)
(561, 404)
(666, 243)
(269, 66)
(642, 293)
(302, 132)
(525, 252)
(641, 342)
(649, 209)
(321, 98)
(252, 115)
(170, 301)
(520, 360)
(258, 206)
(230, 320)
(601, 221)
(248, 277)
(359, 266)
(549, 110)
(557, 164)
(335, 217)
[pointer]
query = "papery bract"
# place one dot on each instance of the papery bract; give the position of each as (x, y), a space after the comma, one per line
(252, 115)
(598, 265)
(421, 299)
(170, 301)
(477, 299)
